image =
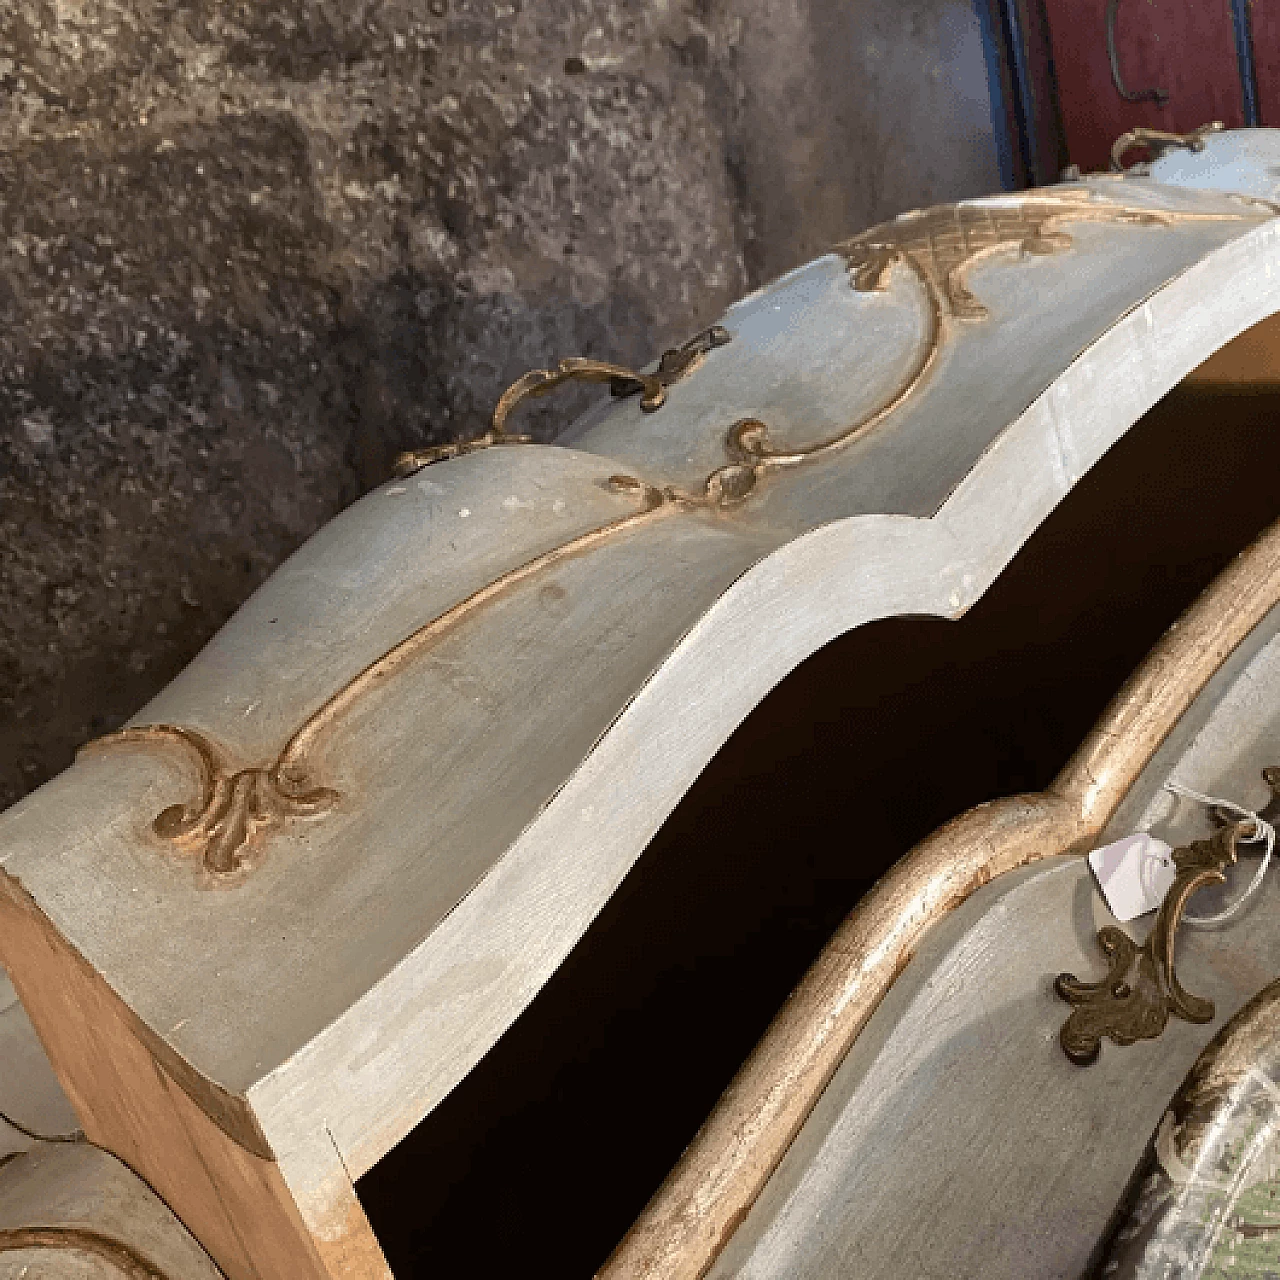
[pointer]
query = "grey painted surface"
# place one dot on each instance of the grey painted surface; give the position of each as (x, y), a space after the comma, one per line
(957, 1139)
(439, 775)
(248, 251)
(815, 355)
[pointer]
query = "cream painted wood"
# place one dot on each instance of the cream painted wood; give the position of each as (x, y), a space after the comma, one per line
(496, 790)
(956, 1138)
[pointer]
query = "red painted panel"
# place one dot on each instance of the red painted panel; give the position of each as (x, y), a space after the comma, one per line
(1185, 47)
(1264, 18)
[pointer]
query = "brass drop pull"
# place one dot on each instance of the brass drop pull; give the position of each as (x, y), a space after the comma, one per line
(1141, 989)
(674, 365)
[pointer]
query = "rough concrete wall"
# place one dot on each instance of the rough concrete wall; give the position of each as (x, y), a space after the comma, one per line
(249, 249)
(853, 111)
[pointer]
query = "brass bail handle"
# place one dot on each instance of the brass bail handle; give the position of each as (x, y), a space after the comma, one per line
(674, 365)
(1141, 990)
(540, 382)
(1158, 140)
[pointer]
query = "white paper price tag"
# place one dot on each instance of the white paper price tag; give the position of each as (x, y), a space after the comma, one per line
(1134, 874)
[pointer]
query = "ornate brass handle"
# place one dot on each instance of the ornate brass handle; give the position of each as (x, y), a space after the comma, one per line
(1141, 989)
(674, 365)
(1158, 140)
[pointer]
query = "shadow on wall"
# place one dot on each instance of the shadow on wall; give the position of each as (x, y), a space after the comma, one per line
(250, 251)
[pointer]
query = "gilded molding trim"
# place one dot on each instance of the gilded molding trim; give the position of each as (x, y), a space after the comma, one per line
(238, 807)
(127, 1261)
(692, 1215)
(1141, 989)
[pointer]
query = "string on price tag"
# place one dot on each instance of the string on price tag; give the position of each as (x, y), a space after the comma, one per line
(1262, 830)
(1135, 873)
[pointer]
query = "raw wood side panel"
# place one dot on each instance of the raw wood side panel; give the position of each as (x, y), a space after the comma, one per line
(235, 1203)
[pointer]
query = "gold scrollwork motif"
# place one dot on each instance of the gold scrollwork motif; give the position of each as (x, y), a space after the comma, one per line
(238, 807)
(235, 808)
(674, 364)
(938, 246)
(941, 245)
(1141, 989)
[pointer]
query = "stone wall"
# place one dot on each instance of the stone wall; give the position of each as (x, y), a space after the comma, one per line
(250, 249)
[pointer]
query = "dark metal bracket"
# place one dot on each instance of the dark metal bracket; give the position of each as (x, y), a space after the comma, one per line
(1158, 96)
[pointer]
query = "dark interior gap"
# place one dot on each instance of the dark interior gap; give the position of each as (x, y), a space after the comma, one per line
(548, 1150)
